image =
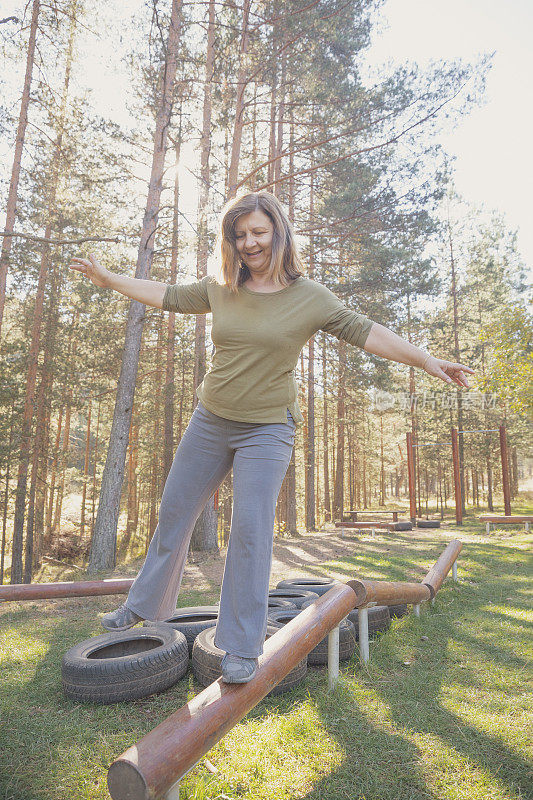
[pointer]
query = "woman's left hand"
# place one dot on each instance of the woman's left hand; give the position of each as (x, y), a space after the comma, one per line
(447, 371)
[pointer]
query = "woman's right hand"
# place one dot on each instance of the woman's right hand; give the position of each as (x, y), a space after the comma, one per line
(92, 268)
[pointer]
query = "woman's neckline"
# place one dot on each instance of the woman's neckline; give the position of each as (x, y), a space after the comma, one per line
(277, 291)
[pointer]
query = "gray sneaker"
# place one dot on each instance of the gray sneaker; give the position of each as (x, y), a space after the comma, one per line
(121, 619)
(237, 669)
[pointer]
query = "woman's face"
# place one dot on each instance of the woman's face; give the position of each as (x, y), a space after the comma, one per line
(253, 236)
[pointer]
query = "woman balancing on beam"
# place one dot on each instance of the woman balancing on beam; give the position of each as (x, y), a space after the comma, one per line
(264, 311)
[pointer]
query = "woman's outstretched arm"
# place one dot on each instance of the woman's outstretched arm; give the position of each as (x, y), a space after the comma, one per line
(383, 342)
(150, 293)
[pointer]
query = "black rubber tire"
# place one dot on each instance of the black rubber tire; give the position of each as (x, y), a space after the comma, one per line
(428, 523)
(207, 658)
(279, 602)
(402, 526)
(319, 654)
(379, 619)
(191, 620)
(132, 664)
(399, 610)
(317, 585)
(296, 596)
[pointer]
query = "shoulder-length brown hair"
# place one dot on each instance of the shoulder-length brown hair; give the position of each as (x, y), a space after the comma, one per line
(285, 264)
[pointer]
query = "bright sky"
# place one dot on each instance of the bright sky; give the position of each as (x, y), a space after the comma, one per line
(492, 145)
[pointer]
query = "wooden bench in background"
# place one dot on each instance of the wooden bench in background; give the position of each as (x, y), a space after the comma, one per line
(514, 519)
(372, 526)
(369, 512)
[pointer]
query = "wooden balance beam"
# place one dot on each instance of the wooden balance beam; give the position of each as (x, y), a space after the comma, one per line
(45, 591)
(152, 768)
(513, 519)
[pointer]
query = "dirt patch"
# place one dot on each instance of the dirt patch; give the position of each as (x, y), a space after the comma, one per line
(305, 555)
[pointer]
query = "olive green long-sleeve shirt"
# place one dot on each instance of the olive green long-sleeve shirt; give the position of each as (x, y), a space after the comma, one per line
(258, 337)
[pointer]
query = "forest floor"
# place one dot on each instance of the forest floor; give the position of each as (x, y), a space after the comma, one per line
(437, 718)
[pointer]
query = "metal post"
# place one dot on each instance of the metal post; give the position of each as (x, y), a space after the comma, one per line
(454, 571)
(333, 657)
(364, 649)
(488, 527)
(526, 524)
(174, 792)
(416, 610)
(373, 533)
(432, 601)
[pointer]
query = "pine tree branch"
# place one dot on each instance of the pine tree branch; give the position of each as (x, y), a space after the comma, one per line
(116, 239)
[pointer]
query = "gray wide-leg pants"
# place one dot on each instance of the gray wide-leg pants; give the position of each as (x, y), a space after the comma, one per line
(210, 446)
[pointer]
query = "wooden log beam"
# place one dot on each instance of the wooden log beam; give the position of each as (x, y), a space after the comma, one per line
(436, 575)
(46, 591)
(386, 593)
(148, 769)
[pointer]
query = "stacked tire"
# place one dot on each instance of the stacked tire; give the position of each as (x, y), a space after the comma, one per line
(319, 654)
(126, 665)
(378, 619)
(207, 657)
(137, 663)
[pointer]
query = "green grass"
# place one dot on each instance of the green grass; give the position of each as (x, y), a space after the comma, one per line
(443, 718)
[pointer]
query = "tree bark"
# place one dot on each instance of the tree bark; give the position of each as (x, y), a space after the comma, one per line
(103, 545)
(233, 172)
(204, 536)
(37, 317)
(338, 496)
(17, 159)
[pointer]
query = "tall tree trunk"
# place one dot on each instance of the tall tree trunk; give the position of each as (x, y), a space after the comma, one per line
(85, 471)
(29, 554)
(6, 492)
(103, 545)
(33, 355)
(272, 125)
(290, 478)
(233, 172)
(413, 413)
(168, 440)
(457, 356)
(278, 188)
(325, 435)
(310, 521)
(382, 487)
(338, 495)
(157, 488)
(204, 536)
(17, 158)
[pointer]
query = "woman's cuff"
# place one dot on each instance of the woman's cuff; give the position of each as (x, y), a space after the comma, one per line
(425, 359)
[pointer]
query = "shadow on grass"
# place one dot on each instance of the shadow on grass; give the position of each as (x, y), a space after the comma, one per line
(51, 745)
(50, 741)
(385, 765)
